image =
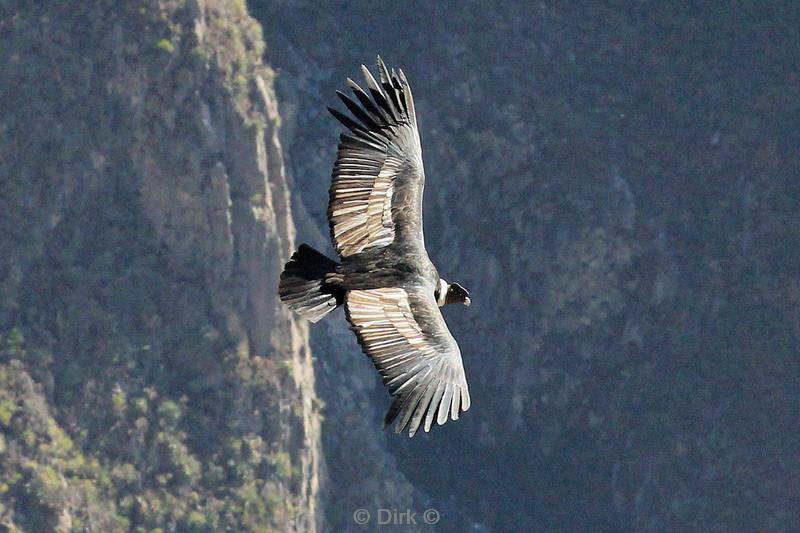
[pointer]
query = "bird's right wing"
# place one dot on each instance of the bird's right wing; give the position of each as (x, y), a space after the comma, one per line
(404, 333)
(378, 170)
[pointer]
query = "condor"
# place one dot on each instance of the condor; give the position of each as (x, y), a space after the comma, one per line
(390, 289)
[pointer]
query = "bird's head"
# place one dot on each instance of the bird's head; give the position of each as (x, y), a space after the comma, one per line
(451, 293)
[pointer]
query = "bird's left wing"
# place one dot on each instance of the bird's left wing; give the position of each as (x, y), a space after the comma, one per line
(378, 167)
(404, 333)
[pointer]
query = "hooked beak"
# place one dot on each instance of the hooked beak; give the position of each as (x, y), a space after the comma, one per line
(467, 301)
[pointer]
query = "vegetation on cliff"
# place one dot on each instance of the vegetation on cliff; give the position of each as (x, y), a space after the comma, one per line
(142, 384)
(616, 185)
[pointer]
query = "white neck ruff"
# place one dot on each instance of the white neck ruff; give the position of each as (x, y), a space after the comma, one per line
(443, 287)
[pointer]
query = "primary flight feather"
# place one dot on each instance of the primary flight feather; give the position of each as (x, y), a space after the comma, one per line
(389, 287)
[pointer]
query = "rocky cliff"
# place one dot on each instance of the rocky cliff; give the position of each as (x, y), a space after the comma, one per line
(149, 377)
(617, 185)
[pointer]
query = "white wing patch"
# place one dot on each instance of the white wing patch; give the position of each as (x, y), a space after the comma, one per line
(423, 371)
(361, 205)
(384, 318)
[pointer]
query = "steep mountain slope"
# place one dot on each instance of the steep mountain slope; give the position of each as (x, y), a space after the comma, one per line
(148, 376)
(617, 185)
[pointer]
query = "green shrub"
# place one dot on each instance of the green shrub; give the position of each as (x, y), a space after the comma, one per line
(166, 45)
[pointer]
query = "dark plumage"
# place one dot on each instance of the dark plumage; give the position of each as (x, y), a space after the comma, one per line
(390, 289)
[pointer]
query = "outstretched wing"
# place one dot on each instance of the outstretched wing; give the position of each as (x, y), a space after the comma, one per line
(403, 332)
(378, 168)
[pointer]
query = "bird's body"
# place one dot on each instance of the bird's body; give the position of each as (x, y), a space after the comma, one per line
(390, 288)
(388, 268)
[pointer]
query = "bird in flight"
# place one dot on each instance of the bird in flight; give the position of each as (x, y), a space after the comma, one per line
(388, 285)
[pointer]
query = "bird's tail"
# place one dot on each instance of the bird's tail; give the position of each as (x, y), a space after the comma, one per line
(306, 284)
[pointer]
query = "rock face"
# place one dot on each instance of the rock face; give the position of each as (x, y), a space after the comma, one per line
(149, 376)
(617, 187)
